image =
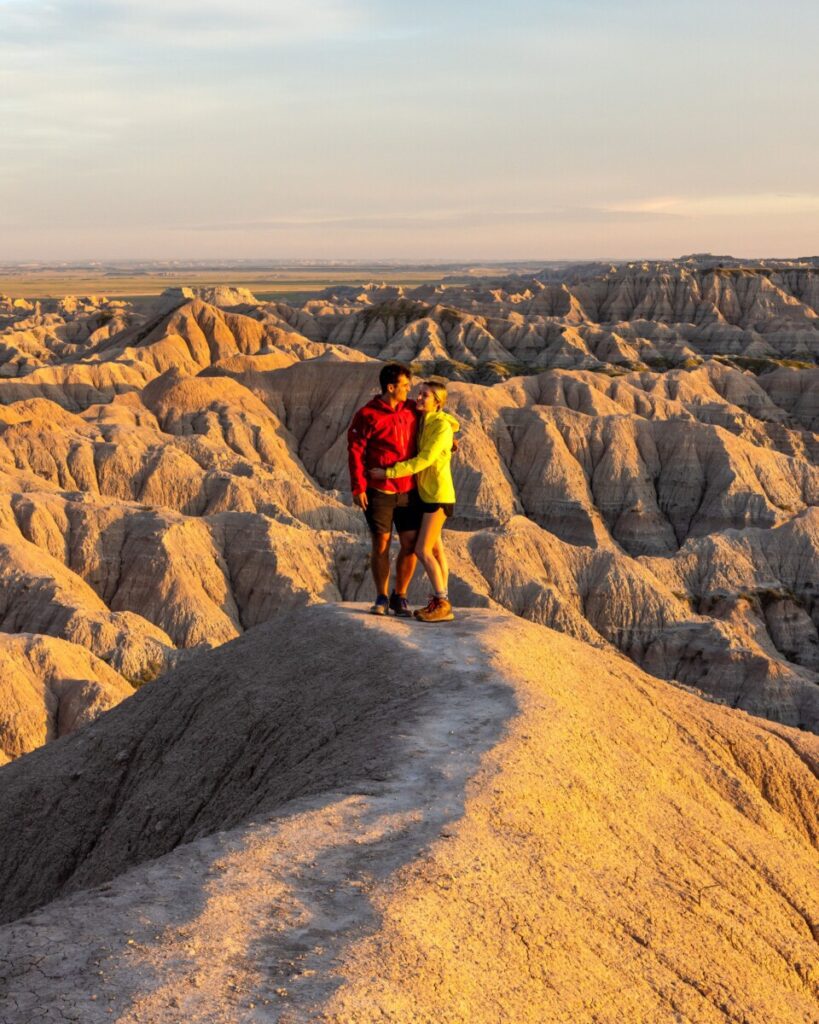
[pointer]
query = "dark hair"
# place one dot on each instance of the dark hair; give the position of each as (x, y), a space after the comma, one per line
(391, 373)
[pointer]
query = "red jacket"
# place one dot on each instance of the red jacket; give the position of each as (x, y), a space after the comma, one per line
(381, 436)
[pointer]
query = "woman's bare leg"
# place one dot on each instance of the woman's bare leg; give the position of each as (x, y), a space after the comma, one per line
(429, 538)
(440, 555)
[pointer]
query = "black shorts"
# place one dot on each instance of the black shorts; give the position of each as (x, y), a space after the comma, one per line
(385, 510)
(433, 506)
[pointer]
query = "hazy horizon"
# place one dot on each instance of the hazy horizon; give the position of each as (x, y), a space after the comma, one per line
(217, 262)
(356, 130)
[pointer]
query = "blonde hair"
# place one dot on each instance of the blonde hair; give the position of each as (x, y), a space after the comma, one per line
(438, 388)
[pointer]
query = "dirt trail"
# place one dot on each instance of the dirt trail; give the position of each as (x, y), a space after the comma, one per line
(248, 924)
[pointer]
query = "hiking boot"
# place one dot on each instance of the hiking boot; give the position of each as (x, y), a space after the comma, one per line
(438, 610)
(429, 605)
(381, 606)
(400, 606)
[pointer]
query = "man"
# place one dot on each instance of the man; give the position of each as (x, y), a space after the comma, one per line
(382, 433)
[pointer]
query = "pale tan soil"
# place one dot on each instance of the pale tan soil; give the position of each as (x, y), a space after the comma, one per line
(303, 706)
(626, 854)
(621, 852)
(226, 920)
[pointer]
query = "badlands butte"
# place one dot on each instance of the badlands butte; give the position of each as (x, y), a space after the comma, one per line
(593, 797)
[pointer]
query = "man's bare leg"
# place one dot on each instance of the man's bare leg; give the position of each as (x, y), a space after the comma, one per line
(406, 561)
(380, 562)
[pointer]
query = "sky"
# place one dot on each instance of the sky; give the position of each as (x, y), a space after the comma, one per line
(334, 129)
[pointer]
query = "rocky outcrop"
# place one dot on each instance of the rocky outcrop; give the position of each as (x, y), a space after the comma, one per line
(797, 392)
(339, 814)
(226, 297)
(204, 580)
(49, 688)
(190, 444)
(40, 595)
(569, 456)
(743, 657)
(198, 580)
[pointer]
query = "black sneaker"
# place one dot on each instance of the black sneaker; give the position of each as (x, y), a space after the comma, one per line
(381, 606)
(400, 606)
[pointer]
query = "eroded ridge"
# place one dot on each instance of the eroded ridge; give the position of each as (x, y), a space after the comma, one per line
(638, 467)
(499, 823)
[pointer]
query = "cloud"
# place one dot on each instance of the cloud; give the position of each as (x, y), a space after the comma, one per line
(183, 24)
(100, 66)
(453, 218)
(85, 71)
(748, 204)
(258, 121)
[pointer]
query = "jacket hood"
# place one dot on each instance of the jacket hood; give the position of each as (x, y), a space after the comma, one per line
(451, 419)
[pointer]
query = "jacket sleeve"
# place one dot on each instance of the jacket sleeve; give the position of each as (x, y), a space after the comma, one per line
(437, 442)
(357, 438)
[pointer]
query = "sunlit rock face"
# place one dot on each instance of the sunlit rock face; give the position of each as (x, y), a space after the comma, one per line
(49, 689)
(638, 466)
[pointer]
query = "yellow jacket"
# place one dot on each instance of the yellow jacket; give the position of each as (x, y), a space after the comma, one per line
(431, 464)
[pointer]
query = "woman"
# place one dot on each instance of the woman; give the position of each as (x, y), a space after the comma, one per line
(435, 491)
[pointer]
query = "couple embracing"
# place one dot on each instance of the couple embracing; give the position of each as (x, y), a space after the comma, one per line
(399, 452)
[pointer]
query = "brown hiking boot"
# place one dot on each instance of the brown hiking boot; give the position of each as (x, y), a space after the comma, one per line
(438, 610)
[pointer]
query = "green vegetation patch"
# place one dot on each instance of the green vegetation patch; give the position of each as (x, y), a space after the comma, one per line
(403, 311)
(765, 364)
(486, 373)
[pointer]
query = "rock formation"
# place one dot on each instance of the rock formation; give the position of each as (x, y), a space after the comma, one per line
(493, 823)
(227, 796)
(49, 688)
(173, 473)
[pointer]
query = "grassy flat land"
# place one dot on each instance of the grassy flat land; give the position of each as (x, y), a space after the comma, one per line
(284, 284)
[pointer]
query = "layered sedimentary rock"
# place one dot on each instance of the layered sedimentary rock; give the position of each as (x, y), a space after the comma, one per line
(174, 473)
(320, 815)
(48, 689)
